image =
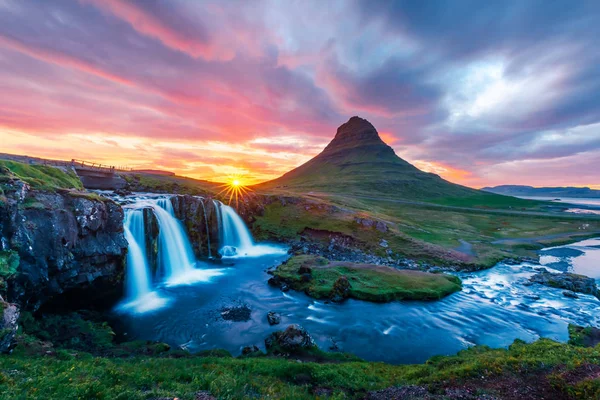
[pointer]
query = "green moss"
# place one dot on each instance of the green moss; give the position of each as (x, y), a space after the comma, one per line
(583, 336)
(32, 203)
(70, 331)
(40, 177)
(89, 195)
(367, 282)
(9, 263)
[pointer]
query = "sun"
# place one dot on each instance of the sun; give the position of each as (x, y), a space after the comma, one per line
(234, 189)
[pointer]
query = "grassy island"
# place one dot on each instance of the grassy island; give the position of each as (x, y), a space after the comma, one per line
(322, 279)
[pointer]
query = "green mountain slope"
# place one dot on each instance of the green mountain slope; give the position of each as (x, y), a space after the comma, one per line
(357, 162)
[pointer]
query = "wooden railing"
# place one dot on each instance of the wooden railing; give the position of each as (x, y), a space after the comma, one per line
(97, 166)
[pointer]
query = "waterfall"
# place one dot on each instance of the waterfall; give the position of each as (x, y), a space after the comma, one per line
(176, 256)
(236, 239)
(138, 278)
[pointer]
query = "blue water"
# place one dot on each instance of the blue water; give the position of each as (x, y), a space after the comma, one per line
(495, 307)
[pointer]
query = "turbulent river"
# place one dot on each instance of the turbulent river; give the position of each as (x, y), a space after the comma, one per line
(494, 308)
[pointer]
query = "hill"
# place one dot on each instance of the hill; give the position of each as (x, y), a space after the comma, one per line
(358, 162)
(519, 190)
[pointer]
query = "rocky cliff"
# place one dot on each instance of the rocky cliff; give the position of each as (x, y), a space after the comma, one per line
(58, 242)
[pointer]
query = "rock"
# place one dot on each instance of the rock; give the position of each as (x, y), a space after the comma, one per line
(273, 318)
(572, 282)
(9, 318)
(204, 395)
(306, 278)
(274, 281)
(250, 350)
(340, 290)
(381, 226)
(294, 338)
(384, 243)
(304, 269)
(236, 314)
(66, 241)
(569, 294)
(584, 337)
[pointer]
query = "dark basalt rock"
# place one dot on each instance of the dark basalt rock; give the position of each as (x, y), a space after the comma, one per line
(248, 350)
(236, 314)
(65, 241)
(340, 290)
(294, 338)
(9, 317)
(573, 282)
(273, 318)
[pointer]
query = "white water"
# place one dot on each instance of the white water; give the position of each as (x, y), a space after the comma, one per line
(236, 239)
(174, 248)
(140, 297)
(175, 255)
(138, 279)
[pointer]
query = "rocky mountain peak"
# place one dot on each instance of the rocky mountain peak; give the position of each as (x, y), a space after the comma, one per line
(356, 133)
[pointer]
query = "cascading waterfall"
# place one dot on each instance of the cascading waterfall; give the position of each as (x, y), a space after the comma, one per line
(175, 255)
(138, 278)
(236, 239)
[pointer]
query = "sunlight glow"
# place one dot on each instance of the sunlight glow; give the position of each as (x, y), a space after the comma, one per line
(234, 189)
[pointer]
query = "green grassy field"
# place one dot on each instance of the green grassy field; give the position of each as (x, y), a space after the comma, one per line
(432, 233)
(170, 184)
(560, 370)
(367, 282)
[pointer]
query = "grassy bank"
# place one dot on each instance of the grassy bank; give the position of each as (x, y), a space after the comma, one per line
(524, 370)
(41, 177)
(471, 237)
(366, 282)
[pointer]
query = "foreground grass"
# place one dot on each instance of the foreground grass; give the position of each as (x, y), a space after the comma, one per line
(367, 282)
(41, 177)
(71, 375)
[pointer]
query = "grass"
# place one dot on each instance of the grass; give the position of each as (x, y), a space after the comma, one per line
(74, 375)
(367, 282)
(41, 177)
(431, 233)
(169, 184)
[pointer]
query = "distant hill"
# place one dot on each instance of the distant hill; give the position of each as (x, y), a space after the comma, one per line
(530, 191)
(358, 162)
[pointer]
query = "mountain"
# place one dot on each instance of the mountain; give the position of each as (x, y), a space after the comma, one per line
(530, 191)
(358, 162)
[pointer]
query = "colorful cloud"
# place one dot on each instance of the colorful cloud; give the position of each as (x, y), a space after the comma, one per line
(483, 94)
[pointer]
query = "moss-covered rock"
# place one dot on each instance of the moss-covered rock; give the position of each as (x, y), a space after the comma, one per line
(573, 282)
(584, 336)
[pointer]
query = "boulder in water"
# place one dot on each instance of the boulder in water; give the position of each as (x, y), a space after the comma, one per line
(228, 251)
(568, 281)
(273, 318)
(294, 338)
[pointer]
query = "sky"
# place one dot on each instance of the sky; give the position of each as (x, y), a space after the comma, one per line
(482, 93)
